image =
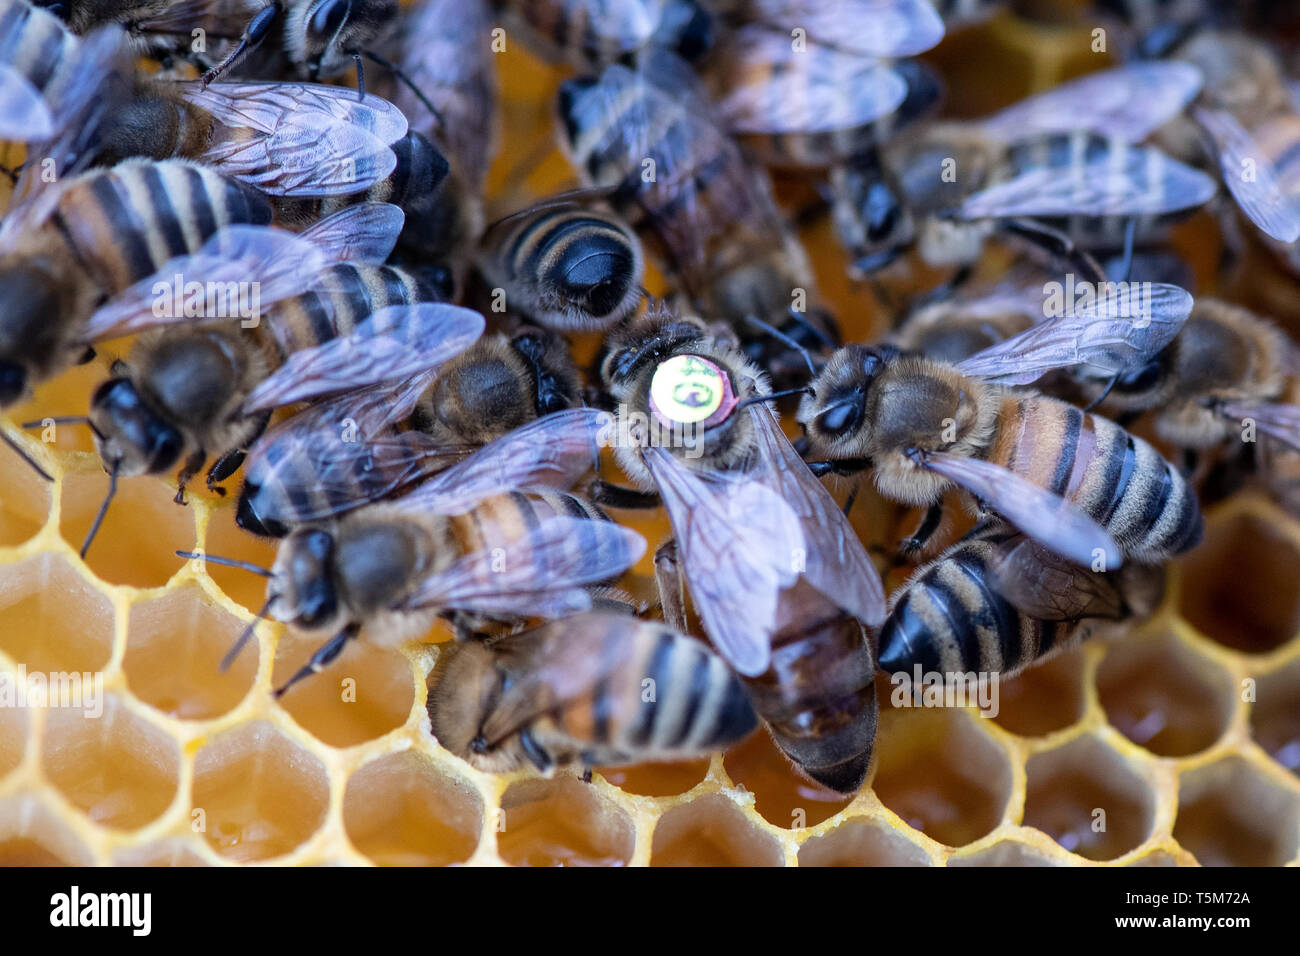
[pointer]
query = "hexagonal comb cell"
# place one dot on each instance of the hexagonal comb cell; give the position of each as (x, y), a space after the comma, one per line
(116, 555)
(171, 852)
(26, 499)
(31, 834)
(1231, 814)
(118, 768)
(1256, 608)
(226, 539)
(51, 618)
(1088, 799)
(256, 794)
(13, 733)
(1043, 699)
(403, 810)
(1164, 696)
(1004, 853)
(711, 831)
(174, 646)
(781, 795)
(941, 773)
(562, 822)
(862, 843)
(362, 695)
(1275, 715)
(657, 779)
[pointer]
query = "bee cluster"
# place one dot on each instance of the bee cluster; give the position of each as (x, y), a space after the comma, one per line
(328, 314)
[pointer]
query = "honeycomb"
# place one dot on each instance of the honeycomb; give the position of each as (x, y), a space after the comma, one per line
(1173, 743)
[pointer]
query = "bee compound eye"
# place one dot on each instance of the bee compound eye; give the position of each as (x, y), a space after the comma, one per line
(325, 18)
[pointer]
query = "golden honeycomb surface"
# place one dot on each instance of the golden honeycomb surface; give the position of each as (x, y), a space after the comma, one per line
(1183, 732)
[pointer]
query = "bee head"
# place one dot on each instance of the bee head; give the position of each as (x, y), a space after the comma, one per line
(303, 591)
(29, 301)
(133, 439)
(835, 411)
(13, 382)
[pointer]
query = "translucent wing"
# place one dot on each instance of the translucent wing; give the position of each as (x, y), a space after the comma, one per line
(545, 574)
(1128, 103)
(280, 262)
(392, 343)
(181, 16)
(24, 114)
(1047, 518)
(1251, 178)
(771, 88)
(880, 28)
(740, 544)
(836, 563)
(551, 665)
(1278, 420)
(1117, 180)
(1048, 587)
(553, 451)
(1118, 330)
(365, 232)
(300, 139)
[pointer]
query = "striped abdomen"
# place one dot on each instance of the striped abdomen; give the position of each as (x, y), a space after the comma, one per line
(1118, 480)
(818, 698)
(952, 619)
(38, 47)
(123, 224)
(664, 696)
(506, 521)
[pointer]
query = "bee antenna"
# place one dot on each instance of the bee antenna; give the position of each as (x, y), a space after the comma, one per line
(244, 637)
(404, 78)
(254, 33)
(772, 396)
(103, 510)
(227, 562)
(22, 453)
(324, 656)
(784, 340)
(65, 420)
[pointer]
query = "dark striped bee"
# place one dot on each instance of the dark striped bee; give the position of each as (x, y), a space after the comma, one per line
(574, 693)
(462, 545)
(648, 137)
(595, 33)
(778, 577)
(1059, 168)
(343, 453)
(1075, 482)
(996, 602)
(565, 266)
(64, 250)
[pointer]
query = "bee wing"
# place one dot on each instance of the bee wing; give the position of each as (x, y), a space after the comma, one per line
(24, 114)
(1124, 180)
(392, 343)
(546, 574)
(1127, 102)
(835, 561)
(300, 139)
(550, 667)
(880, 28)
(1119, 330)
(364, 232)
(1276, 419)
(1047, 518)
(771, 88)
(554, 451)
(740, 545)
(1048, 587)
(278, 261)
(1259, 194)
(181, 16)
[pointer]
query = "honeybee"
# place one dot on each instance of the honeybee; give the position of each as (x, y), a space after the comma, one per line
(572, 693)
(1059, 168)
(462, 544)
(157, 28)
(346, 452)
(996, 602)
(1075, 482)
(564, 265)
(647, 136)
(779, 579)
(874, 28)
(1226, 367)
(595, 33)
(64, 250)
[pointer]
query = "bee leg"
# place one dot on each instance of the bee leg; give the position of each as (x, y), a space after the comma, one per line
(224, 467)
(87, 356)
(586, 775)
(1126, 261)
(616, 496)
(258, 27)
(845, 467)
(849, 501)
(188, 471)
(1056, 243)
(323, 657)
(1104, 392)
(919, 538)
(536, 753)
(361, 76)
(668, 579)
